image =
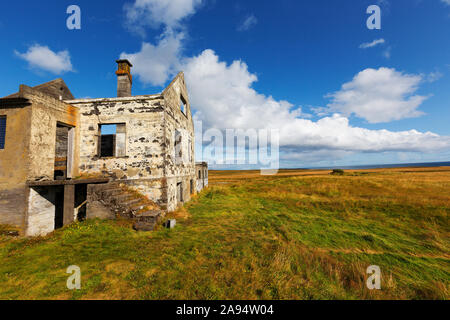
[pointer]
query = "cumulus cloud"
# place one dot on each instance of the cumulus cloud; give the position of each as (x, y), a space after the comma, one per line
(372, 44)
(43, 58)
(379, 95)
(248, 23)
(223, 97)
(157, 13)
(447, 2)
(154, 64)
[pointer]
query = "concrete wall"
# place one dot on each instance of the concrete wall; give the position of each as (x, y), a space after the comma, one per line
(29, 153)
(14, 162)
(152, 162)
(179, 169)
(95, 208)
(46, 113)
(143, 120)
(149, 165)
(41, 211)
(142, 165)
(201, 172)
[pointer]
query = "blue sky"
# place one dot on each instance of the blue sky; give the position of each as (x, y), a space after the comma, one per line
(260, 64)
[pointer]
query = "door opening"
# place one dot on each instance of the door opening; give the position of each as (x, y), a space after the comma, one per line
(64, 151)
(180, 192)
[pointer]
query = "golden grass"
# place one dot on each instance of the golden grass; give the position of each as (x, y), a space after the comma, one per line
(301, 234)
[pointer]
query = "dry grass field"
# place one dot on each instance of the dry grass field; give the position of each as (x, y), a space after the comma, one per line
(302, 234)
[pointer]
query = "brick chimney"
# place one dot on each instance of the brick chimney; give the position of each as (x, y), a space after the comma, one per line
(124, 78)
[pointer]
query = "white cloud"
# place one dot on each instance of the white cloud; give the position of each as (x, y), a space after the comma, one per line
(379, 95)
(43, 58)
(248, 23)
(154, 64)
(387, 53)
(223, 96)
(372, 44)
(156, 13)
(433, 76)
(447, 2)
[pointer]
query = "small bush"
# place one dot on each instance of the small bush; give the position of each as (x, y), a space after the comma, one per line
(338, 172)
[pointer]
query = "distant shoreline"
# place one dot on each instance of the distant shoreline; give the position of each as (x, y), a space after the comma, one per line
(389, 166)
(360, 167)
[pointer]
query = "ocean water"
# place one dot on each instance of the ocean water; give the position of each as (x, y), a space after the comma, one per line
(383, 166)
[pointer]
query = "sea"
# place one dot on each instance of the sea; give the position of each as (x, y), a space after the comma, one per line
(386, 166)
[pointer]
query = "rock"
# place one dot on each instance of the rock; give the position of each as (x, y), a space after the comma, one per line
(149, 216)
(10, 233)
(170, 224)
(144, 226)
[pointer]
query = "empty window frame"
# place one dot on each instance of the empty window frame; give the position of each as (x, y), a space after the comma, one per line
(112, 140)
(2, 131)
(183, 105)
(178, 147)
(190, 149)
(180, 192)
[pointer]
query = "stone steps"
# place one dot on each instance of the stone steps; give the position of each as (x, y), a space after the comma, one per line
(126, 204)
(113, 192)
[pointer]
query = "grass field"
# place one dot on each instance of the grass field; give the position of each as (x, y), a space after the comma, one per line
(299, 235)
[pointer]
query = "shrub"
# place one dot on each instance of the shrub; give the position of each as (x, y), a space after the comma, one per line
(338, 172)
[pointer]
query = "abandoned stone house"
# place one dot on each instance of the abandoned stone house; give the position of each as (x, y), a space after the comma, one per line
(201, 169)
(60, 156)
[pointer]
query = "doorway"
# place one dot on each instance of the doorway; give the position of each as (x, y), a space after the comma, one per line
(180, 192)
(64, 146)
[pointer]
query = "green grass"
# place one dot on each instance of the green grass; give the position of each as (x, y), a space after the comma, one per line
(282, 237)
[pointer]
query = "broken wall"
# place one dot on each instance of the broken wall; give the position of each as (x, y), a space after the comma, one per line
(46, 113)
(201, 171)
(41, 211)
(140, 162)
(180, 159)
(14, 162)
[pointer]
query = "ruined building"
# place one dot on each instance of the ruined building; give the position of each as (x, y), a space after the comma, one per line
(201, 169)
(63, 159)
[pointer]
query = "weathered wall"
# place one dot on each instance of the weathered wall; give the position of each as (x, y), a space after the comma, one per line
(14, 162)
(154, 189)
(153, 163)
(123, 86)
(56, 89)
(149, 164)
(46, 113)
(201, 171)
(41, 211)
(178, 169)
(142, 164)
(95, 208)
(29, 153)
